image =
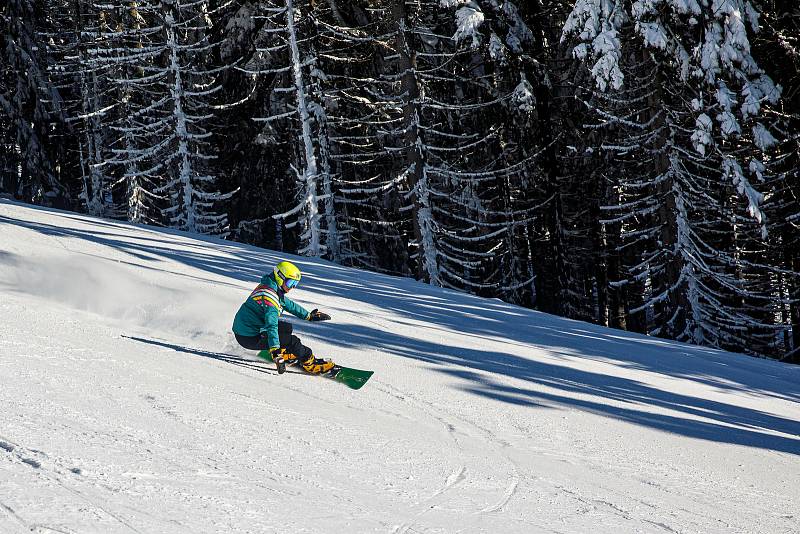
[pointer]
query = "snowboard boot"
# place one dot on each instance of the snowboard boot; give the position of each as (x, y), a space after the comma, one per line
(316, 366)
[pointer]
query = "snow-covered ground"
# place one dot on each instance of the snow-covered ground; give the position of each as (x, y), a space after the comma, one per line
(126, 406)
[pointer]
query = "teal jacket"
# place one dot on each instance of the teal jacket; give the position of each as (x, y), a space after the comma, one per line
(261, 310)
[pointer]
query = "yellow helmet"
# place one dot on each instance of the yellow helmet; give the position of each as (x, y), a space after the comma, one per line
(287, 275)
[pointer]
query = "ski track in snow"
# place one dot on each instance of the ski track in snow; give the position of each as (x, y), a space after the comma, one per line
(51, 474)
(128, 407)
(453, 427)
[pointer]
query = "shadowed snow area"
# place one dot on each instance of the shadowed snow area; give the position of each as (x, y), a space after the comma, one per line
(126, 405)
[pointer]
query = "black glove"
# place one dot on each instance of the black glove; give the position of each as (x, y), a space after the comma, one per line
(317, 315)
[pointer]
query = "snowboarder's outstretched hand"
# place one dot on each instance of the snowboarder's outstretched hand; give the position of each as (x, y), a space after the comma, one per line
(317, 315)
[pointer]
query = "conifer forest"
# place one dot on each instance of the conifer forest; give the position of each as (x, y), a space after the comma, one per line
(632, 163)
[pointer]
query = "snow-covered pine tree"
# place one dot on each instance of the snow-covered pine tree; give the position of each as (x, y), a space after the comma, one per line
(77, 44)
(778, 48)
(30, 105)
(509, 186)
(163, 85)
(132, 56)
(632, 133)
(360, 108)
(559, 228)
(286, 55)
(327, 43)
(709, 209)
(455, 96)
(441, 95)
(195, 201)
(249, 155)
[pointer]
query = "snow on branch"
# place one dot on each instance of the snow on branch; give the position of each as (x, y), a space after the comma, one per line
(595, 24)
(733, 170)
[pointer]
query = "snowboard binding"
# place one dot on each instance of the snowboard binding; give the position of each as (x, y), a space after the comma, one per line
(316, 366)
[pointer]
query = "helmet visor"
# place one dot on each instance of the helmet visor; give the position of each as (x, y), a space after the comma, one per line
(291, 283)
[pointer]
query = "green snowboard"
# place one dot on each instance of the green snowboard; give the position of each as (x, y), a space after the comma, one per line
(352, 378)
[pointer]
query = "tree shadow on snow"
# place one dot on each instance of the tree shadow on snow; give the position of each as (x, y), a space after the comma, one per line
(561, 386)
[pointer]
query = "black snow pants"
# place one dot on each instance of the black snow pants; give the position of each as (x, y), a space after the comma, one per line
(289, 342)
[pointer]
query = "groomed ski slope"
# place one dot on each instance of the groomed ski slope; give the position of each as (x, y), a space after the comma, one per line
(125, 405)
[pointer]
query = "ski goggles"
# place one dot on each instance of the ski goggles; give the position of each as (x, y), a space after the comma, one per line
(291, 283)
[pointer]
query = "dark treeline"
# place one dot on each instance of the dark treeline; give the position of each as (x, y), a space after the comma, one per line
(629, 163)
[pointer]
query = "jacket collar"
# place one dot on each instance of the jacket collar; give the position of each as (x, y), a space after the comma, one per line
(270, 280)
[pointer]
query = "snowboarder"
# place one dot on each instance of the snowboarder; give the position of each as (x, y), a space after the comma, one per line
(257, 327)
